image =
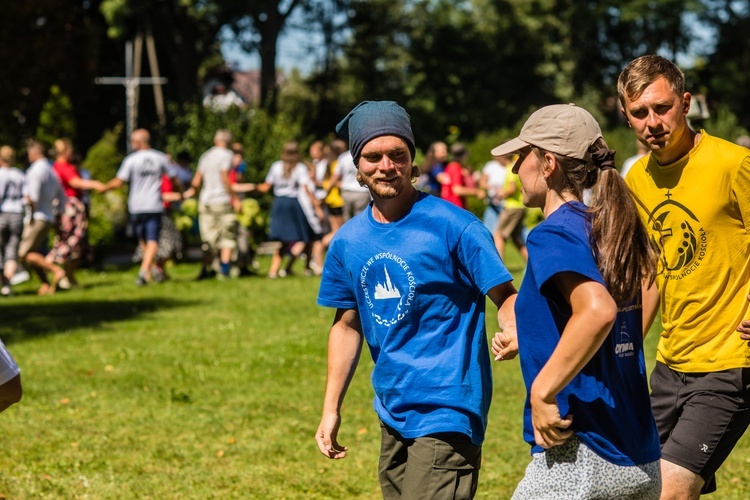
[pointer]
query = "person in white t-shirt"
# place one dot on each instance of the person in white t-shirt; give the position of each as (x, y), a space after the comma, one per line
(356, 196)
(12, 205)
(295, 212)
(630, 161)
(44, 195)
(217, 202)
(142, 170)
(493, 183)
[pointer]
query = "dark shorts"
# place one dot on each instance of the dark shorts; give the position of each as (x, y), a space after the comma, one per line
(146, 226)
(337, 211)
(700, 417)
(442, 465)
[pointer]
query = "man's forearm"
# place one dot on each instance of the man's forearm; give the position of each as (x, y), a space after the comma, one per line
(650, 300)
(344, 348)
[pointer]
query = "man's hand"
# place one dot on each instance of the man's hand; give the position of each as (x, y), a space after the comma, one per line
(326, 436)
(744, 328)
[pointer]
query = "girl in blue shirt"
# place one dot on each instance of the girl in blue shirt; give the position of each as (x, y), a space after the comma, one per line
(579, 318)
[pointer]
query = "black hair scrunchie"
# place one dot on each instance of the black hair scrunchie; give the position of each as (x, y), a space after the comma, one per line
(604, 158)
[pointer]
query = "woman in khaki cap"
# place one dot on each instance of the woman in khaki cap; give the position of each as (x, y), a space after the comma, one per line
(579, 320)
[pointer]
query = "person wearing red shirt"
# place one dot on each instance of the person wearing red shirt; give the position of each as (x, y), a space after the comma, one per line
(70, 242)
(456, 180)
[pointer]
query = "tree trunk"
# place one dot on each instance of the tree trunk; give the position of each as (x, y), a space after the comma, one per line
(268, 89)
(269, 31)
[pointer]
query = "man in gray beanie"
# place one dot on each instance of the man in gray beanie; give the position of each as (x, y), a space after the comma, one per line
(409, 276)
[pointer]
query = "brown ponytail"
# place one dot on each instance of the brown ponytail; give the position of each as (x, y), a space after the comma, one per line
(625, 256)
(290, 155)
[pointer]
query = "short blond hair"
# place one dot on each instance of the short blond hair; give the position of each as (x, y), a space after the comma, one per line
(223, 136)
(644, 71)
(7, 155)
(63, 145)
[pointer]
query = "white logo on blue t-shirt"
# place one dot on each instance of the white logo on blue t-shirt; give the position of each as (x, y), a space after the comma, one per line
(384, 277)
(387, 290)
(625, 346)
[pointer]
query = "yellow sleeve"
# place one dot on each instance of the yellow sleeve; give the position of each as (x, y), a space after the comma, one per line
(741, 191)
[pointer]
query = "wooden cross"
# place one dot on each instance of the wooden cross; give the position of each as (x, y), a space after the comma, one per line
(131, 82)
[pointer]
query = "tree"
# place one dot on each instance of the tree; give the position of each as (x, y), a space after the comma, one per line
(45, 43)
(464, 65)
(320, 103)
(723, 73)
(56, 119)
(475, 67)
(586, 44)
(257, 29)
(185, 34)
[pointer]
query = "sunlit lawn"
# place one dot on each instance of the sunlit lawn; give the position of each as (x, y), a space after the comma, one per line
(208, 389)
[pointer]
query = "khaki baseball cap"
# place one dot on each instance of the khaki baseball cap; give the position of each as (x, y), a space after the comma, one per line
(565, 129)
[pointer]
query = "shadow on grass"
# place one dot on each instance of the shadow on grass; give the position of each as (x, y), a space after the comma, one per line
(27, 321)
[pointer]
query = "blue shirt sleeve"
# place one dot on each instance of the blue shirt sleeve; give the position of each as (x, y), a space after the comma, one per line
(480, 266)
(562, 250)
(241, 168)
(336, 284)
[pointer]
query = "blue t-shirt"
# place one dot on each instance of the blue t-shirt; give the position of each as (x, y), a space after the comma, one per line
(609, 398)
(419, 285)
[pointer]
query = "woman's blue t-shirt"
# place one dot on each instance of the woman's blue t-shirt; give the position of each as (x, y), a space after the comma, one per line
(419, 286)
(608, 399)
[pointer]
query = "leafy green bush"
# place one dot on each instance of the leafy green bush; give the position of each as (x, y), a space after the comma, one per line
(724, 123)
(622, 140)
(108, 212)
(250, 215)
(56, 118)
(480, 147)
(193, 127)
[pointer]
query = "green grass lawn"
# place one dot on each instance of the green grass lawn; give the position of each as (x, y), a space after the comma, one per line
(208, 389)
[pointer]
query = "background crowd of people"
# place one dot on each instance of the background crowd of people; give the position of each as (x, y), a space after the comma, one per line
(44, 210)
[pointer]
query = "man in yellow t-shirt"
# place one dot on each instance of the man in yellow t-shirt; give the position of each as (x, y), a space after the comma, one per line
(695, 190)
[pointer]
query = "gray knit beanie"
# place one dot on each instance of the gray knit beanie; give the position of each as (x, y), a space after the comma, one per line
(371, 119)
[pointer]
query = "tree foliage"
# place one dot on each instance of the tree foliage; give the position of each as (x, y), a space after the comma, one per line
(258, 28)
(185, 34)
(107, 213)
(52, 42)
(483, 64)
(724, 71)
(56, 119)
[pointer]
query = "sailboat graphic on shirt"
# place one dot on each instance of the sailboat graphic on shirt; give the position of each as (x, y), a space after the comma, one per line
(387, 290)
